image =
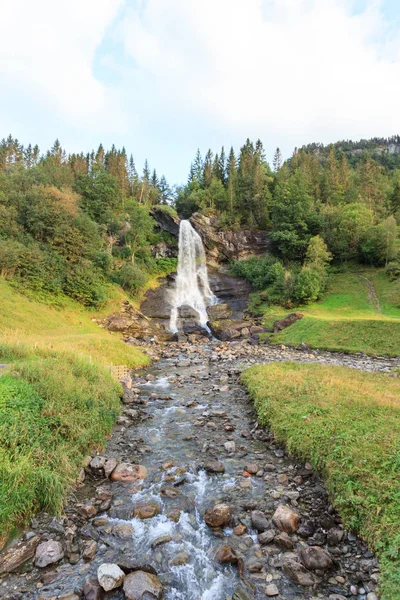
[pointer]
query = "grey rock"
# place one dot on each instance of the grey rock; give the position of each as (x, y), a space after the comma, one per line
(48, 553)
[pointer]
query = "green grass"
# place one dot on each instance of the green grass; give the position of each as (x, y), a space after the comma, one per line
(347, 319)
(69, 328)
(58, 401)
(347, 424)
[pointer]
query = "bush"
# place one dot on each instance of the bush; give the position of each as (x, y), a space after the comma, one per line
(308, 285)
(130, 277)
(85, 285)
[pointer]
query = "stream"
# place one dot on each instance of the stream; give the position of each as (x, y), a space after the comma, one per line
(190, 423)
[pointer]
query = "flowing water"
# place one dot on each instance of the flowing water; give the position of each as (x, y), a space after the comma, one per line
(192, 287)
(187, 408)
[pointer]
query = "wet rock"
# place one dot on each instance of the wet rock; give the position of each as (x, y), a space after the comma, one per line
(218, 516)
(267, 537)
(315, 558)
(146, 510)
(88, 510)
(240, 529)
(92, 590)
(48, 553)
(259, 521)
(284, 541)
(243, 593)
(129, 472)
(272, 590)
(335, 536)
(182, 558)
(286, 519)
(297, 572)
(109, 466)
(14, 557)
(110, 576)
(160, 541)
(306, 529)
(214, 466)
(219, 311)
(170, 492)
(123, 530)
(89, 549)
(230, 447)
(225, 554)
(142, 586)
(252, 468)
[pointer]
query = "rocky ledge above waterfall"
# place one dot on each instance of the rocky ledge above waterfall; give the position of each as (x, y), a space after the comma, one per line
(224, 245)
(220, 245)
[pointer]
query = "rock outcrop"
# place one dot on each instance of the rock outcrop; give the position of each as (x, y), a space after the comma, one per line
(220, 245)
(128, 321)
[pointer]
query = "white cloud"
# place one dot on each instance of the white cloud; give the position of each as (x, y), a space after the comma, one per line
(47, 49)
(294, 70)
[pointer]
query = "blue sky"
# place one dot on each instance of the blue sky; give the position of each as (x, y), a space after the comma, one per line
(164, 77)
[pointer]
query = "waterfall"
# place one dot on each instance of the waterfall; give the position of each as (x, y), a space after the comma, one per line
(192, 287)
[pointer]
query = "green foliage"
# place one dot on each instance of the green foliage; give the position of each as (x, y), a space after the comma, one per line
(52, 411)
(130, 277)
(380, 243)
(346, 423)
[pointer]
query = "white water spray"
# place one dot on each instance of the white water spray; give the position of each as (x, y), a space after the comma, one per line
(192, 287)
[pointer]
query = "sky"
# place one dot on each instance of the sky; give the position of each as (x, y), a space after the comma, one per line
(165, 77)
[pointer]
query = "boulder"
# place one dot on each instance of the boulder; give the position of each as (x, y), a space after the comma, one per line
(218, 516)
(146, 510)
(14, 557)
(259, 521)
(48, 553)
(214, 466)
(287, 321)
(226, 554)
(286, 519)
(129, 472)
(297, 572)
(219, 311)
(141, 585)
(110, 576)
(315, 558)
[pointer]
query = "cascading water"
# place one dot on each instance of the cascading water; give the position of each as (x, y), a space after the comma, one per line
(192, 287)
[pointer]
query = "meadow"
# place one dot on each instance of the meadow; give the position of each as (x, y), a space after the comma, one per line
(346, 423)
(360, 312)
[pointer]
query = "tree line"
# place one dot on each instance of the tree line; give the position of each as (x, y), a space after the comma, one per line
(73, 224)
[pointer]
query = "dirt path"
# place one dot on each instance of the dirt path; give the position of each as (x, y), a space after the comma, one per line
(372, 295)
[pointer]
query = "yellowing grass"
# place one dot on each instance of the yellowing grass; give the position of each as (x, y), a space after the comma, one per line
(66, 329)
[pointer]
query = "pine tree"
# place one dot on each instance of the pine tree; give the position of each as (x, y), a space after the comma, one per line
(146, 172)
(165, 191)
(208, 168)
(277, 160)
(154, 179)
(198, 168)
(222, 166)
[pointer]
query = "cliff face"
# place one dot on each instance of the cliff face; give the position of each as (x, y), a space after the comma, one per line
(220, 246)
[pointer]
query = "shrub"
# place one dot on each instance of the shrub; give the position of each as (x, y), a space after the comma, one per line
(308, 285)
(130, 277)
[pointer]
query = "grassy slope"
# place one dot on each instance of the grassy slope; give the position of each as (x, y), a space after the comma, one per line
(347, 424)
(348, 317)
(57, 399)
(68, 329)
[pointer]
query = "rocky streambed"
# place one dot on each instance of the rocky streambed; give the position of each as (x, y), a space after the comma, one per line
(192, 500)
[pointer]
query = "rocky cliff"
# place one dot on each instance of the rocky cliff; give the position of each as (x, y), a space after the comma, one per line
(220, 245)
